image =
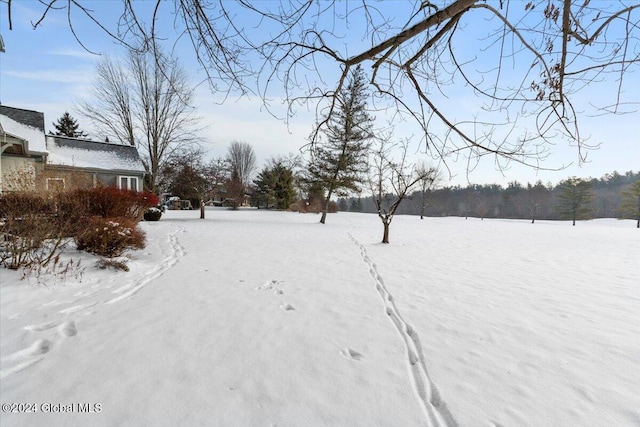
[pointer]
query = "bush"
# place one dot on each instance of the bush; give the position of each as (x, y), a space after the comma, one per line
(34, 228)
(18, 204)
(30, 231)
(111, 202)
(110, 237)
(152, 214)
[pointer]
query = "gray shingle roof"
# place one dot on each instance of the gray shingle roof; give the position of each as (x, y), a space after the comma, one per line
(83, 153)
(34, 119)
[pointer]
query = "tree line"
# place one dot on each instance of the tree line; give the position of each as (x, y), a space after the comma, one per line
(614, 195)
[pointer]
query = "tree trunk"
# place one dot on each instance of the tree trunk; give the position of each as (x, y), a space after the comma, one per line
(638, 223)
(385, 235)
(201, 209)
(325, 207)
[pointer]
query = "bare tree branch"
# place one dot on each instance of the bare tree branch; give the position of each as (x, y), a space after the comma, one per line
(524, 65)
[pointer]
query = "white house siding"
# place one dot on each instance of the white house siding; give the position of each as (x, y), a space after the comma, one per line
(18, 173)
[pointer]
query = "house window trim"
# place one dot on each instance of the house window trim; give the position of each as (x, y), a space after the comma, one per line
(49, 180)
(129, 178)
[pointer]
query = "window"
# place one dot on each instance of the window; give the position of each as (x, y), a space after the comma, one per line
(128, 183)
(55, 184)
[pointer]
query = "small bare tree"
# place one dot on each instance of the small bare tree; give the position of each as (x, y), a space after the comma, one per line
(430, 179)
(187, 175)
(391, 181)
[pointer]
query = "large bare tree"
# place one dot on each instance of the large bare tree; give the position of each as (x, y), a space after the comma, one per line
(144, 101)
(523, 66)
(242, 163)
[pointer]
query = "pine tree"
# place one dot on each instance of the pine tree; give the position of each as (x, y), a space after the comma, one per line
(631, 202)
(68, 126)
(275, 185)
(575, 195)
(340, 161)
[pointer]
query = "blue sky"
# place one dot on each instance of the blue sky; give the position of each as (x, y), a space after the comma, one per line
(47, 70)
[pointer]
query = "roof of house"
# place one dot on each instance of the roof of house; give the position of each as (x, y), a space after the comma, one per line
(26, 125)
(82, 153)
(30, 118)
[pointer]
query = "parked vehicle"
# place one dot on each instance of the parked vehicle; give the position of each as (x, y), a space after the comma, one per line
(175, 203)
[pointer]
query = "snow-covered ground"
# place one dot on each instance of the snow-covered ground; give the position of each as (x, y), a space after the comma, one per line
(255, 318)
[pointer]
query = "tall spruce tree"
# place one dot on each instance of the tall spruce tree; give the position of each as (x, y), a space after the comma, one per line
(575, 196)
(68, 126)
(339, 161)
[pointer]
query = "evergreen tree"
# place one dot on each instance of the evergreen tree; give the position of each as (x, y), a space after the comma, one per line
(275, 185)
(631, 202)
(339, 162)
(68, 126)
(356, 205)
(575, 195)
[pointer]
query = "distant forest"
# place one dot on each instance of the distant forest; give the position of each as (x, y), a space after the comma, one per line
(517, 201)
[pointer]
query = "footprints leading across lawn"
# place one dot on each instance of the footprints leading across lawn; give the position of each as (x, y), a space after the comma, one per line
(176, 252)
(22, 359)
(50, 334)
(351, 354)
(434, 408)
(271, 285)
(286, 307)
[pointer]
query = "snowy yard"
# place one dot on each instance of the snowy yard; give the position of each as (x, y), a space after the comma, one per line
(255, 318)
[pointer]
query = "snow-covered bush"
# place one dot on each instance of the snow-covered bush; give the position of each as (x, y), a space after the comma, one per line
(110, 237)
(152, 214)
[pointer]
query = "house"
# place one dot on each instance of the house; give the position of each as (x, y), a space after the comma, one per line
(32, 159)
(22, 147)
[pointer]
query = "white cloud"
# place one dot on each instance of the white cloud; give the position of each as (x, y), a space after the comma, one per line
(74, 53)
(55, 76)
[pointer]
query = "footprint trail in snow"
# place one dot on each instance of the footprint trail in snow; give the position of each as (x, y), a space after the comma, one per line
(177, 252)
(435, 411)
(66, 327)
(270, 285)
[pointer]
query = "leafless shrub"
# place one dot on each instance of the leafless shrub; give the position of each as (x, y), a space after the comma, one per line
(110, 237)
(32, 234)
(117, 264)
(57, 270)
